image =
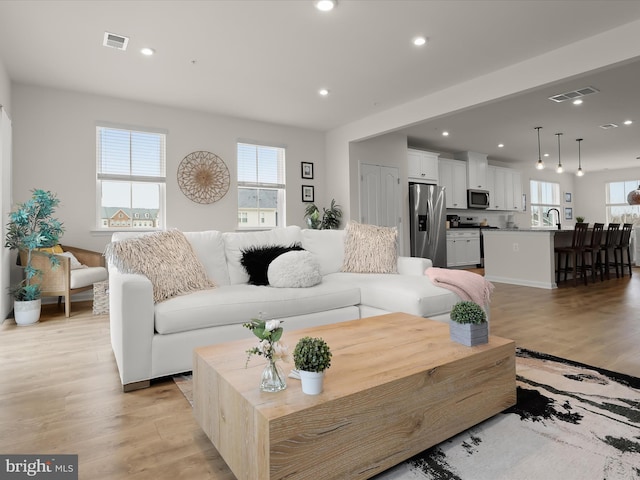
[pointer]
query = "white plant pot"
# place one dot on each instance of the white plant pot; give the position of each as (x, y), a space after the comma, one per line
(27, 313)
(311, 382)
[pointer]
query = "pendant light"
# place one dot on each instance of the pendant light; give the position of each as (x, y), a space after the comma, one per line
(634, 197)
(540, 164)
(580, 172)
(559, 169)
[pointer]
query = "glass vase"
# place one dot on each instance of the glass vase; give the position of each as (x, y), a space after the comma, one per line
(273, 379)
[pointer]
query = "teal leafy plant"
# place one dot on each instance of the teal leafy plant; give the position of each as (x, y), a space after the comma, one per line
(312, 355)
(32, 227)
(468, 312)
(269, 332)
(330, 216)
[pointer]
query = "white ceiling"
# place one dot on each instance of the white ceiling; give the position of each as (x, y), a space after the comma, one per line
(266, 60)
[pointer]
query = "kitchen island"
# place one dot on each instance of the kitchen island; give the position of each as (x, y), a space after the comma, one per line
(523, 256)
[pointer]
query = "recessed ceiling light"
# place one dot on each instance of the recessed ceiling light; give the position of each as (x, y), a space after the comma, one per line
(628, 122)
(147, 51)
(419, 41)
(445, 134)
(577, 101)
(324, 92)
(325, 5)
(500, 145)
(545, 155)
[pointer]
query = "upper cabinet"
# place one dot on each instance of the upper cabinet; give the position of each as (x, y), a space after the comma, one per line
(422, 166)
(477, 169)
(453, 177)
(505, 192)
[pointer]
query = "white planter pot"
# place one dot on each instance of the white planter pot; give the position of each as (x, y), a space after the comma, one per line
(469, 334)
(311, 382)
(26, 313)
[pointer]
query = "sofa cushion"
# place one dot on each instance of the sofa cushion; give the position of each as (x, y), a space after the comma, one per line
(83, 277)
(296, 269)
(327, 247)
(209, 248)
(236, 304)
(256, 260)
(370, 249)
(235, 242)
(412, 294)
(167, 259)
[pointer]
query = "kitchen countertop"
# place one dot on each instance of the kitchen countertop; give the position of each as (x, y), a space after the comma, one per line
(532, 230)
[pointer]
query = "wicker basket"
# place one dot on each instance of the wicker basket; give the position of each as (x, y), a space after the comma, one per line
(101, 298)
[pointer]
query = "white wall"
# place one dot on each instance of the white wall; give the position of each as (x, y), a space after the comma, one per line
(54, 149)
(5, 188)
(591, 195)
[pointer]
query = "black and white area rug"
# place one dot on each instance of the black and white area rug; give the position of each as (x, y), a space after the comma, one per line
(571, 422)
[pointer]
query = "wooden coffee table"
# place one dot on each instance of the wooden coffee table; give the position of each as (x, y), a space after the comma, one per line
(397, 385)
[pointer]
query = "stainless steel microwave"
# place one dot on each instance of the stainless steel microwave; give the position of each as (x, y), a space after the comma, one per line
(477, 198)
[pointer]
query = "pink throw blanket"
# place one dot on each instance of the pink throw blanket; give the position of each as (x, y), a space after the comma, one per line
(467, 285)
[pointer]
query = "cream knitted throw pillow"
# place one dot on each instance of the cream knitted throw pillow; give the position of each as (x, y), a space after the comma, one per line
(165, 258)
(370, 249)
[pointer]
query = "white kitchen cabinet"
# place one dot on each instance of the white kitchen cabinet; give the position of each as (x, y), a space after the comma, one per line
(506, 192)
(491, 186)
(477, 169)
(422, 166)
(463, 248)
(453, 177)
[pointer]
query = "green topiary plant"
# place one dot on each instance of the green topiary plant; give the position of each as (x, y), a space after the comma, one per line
(468, 312)
(312, 355)
(31, 227)
(579, 219)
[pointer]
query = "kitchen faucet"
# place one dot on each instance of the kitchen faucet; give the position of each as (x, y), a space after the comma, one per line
(558, 212)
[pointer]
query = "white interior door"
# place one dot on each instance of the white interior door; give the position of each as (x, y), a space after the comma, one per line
(380, 196)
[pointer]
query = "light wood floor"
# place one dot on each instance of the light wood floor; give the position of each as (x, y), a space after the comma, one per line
(60, 391)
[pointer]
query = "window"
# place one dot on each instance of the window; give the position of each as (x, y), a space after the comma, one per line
(618, 210)
(130, 178)
(261, 186)
(544, 195)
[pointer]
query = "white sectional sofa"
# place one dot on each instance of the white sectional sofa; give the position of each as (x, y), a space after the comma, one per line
(152, 340)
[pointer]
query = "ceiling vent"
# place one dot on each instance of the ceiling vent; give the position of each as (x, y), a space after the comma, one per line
(572, 95)
(607, 126)
(115, 41)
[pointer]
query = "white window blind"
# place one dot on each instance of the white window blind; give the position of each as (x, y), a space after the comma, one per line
(260, 166)
(130, 155)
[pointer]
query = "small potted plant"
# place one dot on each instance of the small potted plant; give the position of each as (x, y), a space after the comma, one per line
(580, 219)
(312, 356)
(32, 227)
(330, 217)
(468, 324)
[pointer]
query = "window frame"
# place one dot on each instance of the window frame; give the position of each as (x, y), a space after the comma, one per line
(279, 186)
(542, 208)
(159, 180)
(608, 204)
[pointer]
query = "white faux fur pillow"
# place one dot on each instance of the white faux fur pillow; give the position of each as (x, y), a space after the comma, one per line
(295, 269)
(370, 249)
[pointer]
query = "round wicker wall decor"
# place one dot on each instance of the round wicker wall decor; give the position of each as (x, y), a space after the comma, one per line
(203, 177)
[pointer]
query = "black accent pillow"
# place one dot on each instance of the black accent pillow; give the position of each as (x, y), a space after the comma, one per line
(256, 260)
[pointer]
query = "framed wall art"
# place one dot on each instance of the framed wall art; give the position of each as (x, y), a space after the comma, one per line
(307, 193)
(567, 197)
(568, 213)
(307, 169)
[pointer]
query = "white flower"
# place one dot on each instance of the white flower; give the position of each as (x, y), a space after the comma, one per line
(280, 350)
(264, 346)
(271, 325)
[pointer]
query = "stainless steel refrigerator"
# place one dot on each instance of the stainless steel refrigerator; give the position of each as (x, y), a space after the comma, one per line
(427, 222)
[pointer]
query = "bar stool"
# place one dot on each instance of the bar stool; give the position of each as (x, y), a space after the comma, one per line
(593, 249)
(622, 246)
(575, 251)
(611, 240)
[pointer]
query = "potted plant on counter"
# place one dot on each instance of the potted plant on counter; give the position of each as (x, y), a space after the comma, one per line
(312, 356)
(468, 324)
(330, 217)
(32, 227)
